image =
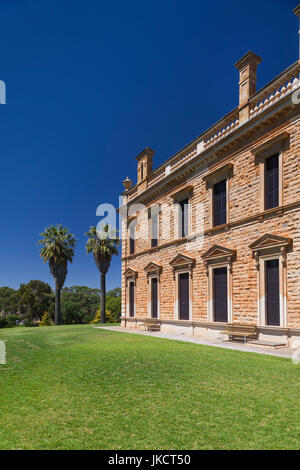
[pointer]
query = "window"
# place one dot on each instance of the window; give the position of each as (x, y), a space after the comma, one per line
(218, 262)
(272, 289)
(154, 297)
(131, 299)
(220, 293)
(154, 229)
(184, 218)
(182, 266)
(219, 203)
(142, 170)
(272, 182)
(269, 156)
(184, 296)
(270, 253)
(132, 239)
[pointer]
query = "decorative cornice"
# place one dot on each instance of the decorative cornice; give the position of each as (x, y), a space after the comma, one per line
(183, 192)
(214, 176)
(153, 268)
(278, 140)
(232, 142)
(218, 251)
(182, 260)
(130, 273)
(270, 241)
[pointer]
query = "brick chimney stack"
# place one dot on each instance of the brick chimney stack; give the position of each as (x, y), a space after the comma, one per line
(247, 66)
(144, 168)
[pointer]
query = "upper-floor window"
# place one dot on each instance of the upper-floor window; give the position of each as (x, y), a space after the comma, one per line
(220, 203)
(272, 182)
(154, 229)
(132, 239)
(184, 218)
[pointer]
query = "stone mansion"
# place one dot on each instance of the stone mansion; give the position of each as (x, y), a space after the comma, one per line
(212, 236)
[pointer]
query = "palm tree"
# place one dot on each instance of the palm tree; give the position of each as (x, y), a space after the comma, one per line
(103, 244)
(58, 249)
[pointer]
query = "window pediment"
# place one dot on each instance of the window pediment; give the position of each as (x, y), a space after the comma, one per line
(182, 260)
(130, 273)
(153, 268)
(270, 240)
(218, 251)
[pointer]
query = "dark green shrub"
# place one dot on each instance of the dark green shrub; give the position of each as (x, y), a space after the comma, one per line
(11, 320)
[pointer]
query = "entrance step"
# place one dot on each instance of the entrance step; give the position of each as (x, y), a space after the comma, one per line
(270, 344)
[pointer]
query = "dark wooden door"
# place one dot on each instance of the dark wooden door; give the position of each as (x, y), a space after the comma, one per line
(131, 299)
(154, 298)
(220, 295)
(184, 297)
(272, 292)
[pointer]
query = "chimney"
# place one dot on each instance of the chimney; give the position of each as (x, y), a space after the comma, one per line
(144, 168)
(247, 66)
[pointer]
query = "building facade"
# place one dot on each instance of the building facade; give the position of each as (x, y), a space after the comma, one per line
(212, 236)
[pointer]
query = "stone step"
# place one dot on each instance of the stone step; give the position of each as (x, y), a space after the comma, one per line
(270, 344)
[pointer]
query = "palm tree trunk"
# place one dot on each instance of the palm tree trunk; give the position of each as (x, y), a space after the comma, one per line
(103, 297)
(57, 306)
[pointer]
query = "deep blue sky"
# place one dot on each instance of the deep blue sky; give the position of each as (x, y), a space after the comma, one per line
(91, 83)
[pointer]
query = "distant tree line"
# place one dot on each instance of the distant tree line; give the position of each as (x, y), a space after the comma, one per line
(79, 304)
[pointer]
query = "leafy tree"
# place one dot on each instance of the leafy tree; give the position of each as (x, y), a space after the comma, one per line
(35, 298)
(115, 292)
(9, 300)
(71, 313)
(103, 244)
(58, 250)
(85, 299)
(113, 304)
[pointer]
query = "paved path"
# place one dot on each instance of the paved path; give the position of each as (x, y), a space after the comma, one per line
(281, 352)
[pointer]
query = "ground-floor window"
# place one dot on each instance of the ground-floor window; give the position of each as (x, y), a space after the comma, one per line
(218, 261)
(184, 296)
(131, 299)
(154, 297)
(272, 292)
(220, 294)
(270, 253)
(183, 282)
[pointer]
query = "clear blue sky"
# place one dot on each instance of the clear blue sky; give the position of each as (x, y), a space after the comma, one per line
(91, 83)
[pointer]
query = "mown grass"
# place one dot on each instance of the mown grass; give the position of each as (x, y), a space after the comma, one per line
(77, 387)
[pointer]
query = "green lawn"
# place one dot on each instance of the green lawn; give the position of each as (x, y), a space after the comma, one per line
(77, 387)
